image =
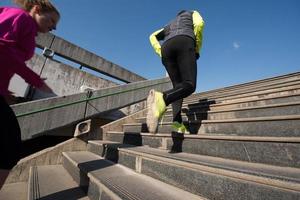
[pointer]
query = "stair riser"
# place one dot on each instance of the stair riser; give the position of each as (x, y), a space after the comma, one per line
(136, 139)
(192, 108)
(264, 112)
(250, 101)
(95, 192)
(193, 128)
(257, 103)
(98, 193)
(107, 151)
(79, 177)
(266, 94)
(249, 113)
(284, 128)
(274, 153)
(169, 118)
(254, 86)
(202, 183)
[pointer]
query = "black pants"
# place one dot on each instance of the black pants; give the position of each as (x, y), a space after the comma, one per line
(179, 58)
(10, 136)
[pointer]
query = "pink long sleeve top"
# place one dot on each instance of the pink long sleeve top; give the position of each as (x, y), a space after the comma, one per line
(17, 43)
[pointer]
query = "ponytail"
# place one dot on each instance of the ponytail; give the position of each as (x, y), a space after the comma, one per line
(45, 5)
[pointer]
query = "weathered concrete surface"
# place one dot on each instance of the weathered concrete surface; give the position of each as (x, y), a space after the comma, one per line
(66, 80)
(53, 182)
(50, 156)
(110, 99)
(79, 55)
(116, 181)
(251, 85)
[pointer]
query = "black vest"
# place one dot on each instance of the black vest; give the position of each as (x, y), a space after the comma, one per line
(181, 25)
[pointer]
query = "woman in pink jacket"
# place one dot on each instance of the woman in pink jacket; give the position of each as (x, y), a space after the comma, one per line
(18, 29)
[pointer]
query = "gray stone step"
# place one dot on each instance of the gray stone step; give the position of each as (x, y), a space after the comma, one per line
(255, 111)
(260, 94)
(258, 102)
(163, 127)
(214, 178)
(285, 126)
(252, 89)
(53, 182)
(263, 99)
(244, 88)
(246, 95)
(14, 191)
(234, 113)
(279, 151)
(108, 180)
(293, 76)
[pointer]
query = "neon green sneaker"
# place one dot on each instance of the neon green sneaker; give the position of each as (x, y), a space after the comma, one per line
(156, 109)
(179, 127)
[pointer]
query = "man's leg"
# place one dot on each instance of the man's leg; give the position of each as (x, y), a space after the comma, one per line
(182, 68)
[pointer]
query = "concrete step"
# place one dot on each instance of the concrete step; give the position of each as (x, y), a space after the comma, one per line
(260, 100)
(14, 191)
(252, 89)
(260, 94)
(235, 113)
(285, 126)
(53, 182)
(108, 180)
(214, 178)
(279, 151)
(255, 111)
(257, 102)
(291, 77)
(232, 91)
(163, 127)
(246, 95)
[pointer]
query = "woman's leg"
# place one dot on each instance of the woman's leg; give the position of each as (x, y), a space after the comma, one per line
(10, 139)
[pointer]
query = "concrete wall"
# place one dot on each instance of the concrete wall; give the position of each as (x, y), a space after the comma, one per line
(65, 80)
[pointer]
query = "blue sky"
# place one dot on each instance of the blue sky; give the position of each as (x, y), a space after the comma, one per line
(244, 40)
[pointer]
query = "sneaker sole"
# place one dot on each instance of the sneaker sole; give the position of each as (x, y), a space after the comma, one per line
(151, 120)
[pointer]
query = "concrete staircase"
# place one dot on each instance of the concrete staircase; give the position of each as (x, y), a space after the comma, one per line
(243, 143)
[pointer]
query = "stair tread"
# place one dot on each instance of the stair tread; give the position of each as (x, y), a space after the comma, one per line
(218, 137)
(14, 191)
(54, 182)
(287, 174)
(123, 181)
(269, 118)
(236, 109)
(252, 100)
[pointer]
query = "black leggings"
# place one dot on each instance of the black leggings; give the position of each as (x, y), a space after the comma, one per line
(10, 136)
(179, 59)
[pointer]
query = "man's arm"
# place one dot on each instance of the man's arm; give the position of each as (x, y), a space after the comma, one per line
(154, 37)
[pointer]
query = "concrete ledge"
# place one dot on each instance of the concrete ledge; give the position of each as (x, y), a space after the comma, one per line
(112, 98)
(79, 55)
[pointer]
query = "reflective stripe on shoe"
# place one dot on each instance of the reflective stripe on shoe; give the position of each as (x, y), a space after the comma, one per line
(179, 127)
